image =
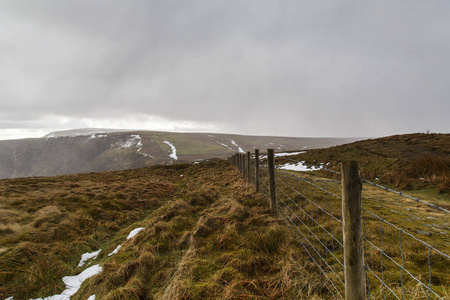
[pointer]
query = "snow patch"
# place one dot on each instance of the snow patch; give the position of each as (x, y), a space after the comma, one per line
(133, 140)
(94, 136)
(134, 232)
(130, 235)
(92, 297)
(73, 283)
(239, 148)
(224, 145)
(173, 155)
(300, 166)
(88, 255)
(289, 153)
(136, 141)
(115, 250)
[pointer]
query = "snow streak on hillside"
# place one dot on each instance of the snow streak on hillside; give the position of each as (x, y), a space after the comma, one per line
(288, 153)
(133, 140)
(136, 141)
(173, 155)
(239, 148)
(224, 145)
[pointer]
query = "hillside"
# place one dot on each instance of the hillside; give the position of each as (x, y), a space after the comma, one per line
(411, 161)
(200, 233)
(94, 150)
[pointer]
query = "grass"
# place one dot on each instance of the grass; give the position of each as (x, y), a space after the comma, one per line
(411, 162)
(311, 210)
(207, 235)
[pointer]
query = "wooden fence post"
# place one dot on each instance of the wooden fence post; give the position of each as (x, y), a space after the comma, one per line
(272, 185)
(243, 166)
(249, 162)
(257, 169)
(352, 231)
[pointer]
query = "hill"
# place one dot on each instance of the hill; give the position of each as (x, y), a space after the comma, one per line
(197, 232)
(95, 150)
(411, 161)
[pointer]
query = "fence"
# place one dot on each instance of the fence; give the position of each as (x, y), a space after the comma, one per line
(359, 252)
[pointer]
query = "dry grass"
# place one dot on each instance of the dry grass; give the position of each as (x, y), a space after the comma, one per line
(426, 223)
(411, 161)
(206, 236)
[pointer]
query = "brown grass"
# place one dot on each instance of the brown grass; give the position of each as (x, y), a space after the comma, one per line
(206, 236)
(410, 161)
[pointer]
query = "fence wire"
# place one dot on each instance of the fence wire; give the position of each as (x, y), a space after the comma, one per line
(398, 264)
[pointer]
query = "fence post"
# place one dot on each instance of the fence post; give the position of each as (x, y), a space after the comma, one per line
(272, 186)
(240, 163)
(249, 162)
(244, 169)
(257, 169)
(352, 231)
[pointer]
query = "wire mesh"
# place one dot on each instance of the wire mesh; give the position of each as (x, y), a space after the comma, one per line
(398, 264)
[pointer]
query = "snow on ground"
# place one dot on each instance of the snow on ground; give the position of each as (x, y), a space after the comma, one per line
(130, 235)
(173, 155)
(88, 255)
(300, 166)
(115, 250)
(133, 140)
(96, 135)
(288, 153)
(73, 283)
(226, 146)
(239, 148)
(134, 232)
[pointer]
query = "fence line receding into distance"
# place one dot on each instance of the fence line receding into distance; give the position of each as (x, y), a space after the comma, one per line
(396, 264)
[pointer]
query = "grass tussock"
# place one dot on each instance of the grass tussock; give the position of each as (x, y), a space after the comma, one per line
(206, 235)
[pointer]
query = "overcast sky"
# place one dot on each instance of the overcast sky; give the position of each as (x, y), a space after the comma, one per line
(290, 68)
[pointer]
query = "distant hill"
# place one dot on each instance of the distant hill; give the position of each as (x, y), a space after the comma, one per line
(94, 150)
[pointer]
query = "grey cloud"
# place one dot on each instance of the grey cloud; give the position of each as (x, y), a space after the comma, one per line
(261, 67)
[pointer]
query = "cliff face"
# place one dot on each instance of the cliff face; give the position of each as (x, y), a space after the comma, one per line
(58, 155)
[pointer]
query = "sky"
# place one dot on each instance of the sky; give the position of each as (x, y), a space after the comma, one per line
(288, 68)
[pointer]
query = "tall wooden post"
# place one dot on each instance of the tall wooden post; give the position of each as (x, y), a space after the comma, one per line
(257, 170)
(272, 185)
(238, 156)
(249, 162)
(355, 288)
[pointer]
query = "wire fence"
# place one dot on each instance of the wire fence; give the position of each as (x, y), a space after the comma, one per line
(398, 264)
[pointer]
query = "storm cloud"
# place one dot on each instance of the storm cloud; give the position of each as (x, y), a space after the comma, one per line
(291, 68)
